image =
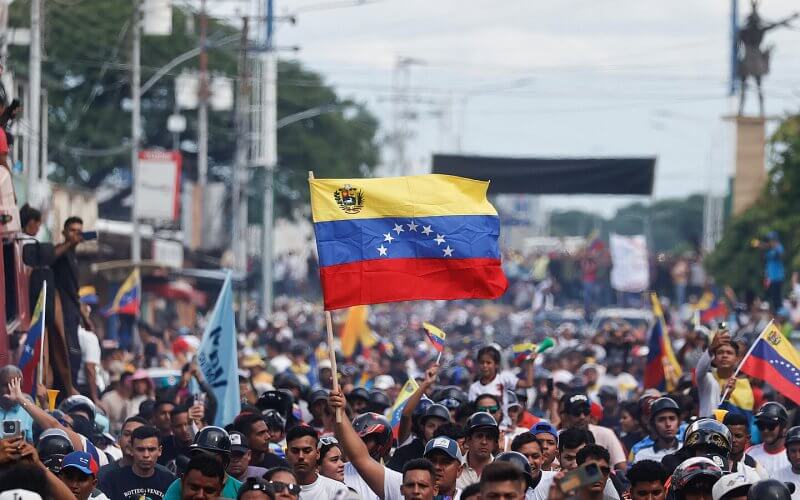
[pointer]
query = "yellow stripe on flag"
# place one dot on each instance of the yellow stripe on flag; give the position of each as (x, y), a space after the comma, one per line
(414, 196)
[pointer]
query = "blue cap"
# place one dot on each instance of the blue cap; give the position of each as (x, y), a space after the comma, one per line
(544, 427)
(82, 461)
(446, 445)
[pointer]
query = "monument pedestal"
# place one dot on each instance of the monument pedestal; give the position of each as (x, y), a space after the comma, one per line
(751, 174)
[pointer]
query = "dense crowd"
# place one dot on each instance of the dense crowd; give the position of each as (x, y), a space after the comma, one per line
(484, 420)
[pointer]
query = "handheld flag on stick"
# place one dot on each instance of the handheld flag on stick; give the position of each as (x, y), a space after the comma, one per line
(31, 363)
(218, 359)
(409, 388)
(128, 297)
(436, 336)
(773, 359)
(405, 238)
(663, 369)
(524, 350)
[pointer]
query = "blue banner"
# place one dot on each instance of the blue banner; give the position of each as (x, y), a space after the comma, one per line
(217, 357)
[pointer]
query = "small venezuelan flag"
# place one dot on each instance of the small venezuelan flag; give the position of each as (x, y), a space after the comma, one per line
(435, 335)
(29, 360)
(126, 301)
(405, 238)
(663, 369)
(396, 411)
(523, 351)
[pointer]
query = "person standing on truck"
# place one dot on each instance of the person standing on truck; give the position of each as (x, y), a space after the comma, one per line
(65, 271)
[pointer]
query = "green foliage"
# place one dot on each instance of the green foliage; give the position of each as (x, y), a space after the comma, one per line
(675, 225)
(735, 262)
(86, 74)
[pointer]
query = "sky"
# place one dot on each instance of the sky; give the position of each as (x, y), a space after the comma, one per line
(563, 78)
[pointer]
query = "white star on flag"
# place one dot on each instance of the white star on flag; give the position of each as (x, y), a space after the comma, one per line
(28, 349)
(426, 230)
(388, 237)
(448, 252)
(413, 226)
(398, 228)
(439, 239)
(382, 250)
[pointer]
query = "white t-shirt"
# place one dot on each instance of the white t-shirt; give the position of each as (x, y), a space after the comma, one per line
(323, 487)
(542, 490)
(606, 438)
(392, 480)
(771, 462)
(501, 382)
(788, 476)
(90, 353)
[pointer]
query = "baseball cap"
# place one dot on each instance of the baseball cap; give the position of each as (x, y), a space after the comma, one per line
(446, 445)
(19, 494)
(82, 461)
(575, 402)
(384, 382)
(238, 442)
(732, 481)
(544, 427)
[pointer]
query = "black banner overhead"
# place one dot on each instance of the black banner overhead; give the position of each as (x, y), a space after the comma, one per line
(632, 176)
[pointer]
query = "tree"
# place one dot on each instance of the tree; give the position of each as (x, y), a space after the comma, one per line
(86, 74)
(734, 261)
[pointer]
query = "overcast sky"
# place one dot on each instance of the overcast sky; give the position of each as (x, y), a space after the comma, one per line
(555, 78)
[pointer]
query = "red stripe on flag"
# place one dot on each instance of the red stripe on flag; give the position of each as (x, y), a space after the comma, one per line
(393, 280)
(759, 368)
(654, 377)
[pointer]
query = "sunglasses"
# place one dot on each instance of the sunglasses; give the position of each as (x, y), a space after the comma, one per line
(488, 409)
(766, 425)
(256, 485)
(327, 441)
(278, 487)
(577, 412)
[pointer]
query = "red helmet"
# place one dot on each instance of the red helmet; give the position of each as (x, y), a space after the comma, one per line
(373, 424)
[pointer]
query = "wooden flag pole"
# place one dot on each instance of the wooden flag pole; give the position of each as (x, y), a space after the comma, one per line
(331, 350)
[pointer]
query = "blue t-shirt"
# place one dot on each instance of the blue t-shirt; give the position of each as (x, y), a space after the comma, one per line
(18, 413)
(774, 269)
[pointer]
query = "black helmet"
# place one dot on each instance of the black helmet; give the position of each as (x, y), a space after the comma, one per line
(451, 397)
(772, 412)
(422, 407)
(481, 420)
(287, 380)
(708, 432)
(318, 395)
(80, 403)
(694, 470)
(53, 445)
(368, 424)
(378, 401)
(276, 400)
(435, 410)
(214, 439)
(519, 461)
(359, 393)
(663, 404)
(274, 420)
(792, 435)
(769, 489)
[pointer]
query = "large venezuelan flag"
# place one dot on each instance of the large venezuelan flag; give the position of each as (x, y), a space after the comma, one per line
(405, 238)
(663, 369)
(127, 299)
(773, 360)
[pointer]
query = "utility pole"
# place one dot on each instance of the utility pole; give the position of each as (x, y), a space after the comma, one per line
(34, 101)
(202, 135)
(239, 195)
(269, 159)
(136, 127)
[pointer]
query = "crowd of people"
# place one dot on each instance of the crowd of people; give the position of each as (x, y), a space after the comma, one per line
(484, 420)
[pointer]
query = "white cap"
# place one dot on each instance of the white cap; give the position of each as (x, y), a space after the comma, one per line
(383, 382)
(19, 494)
(730, 482)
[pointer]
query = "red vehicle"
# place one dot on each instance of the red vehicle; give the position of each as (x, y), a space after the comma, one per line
(13, 273)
